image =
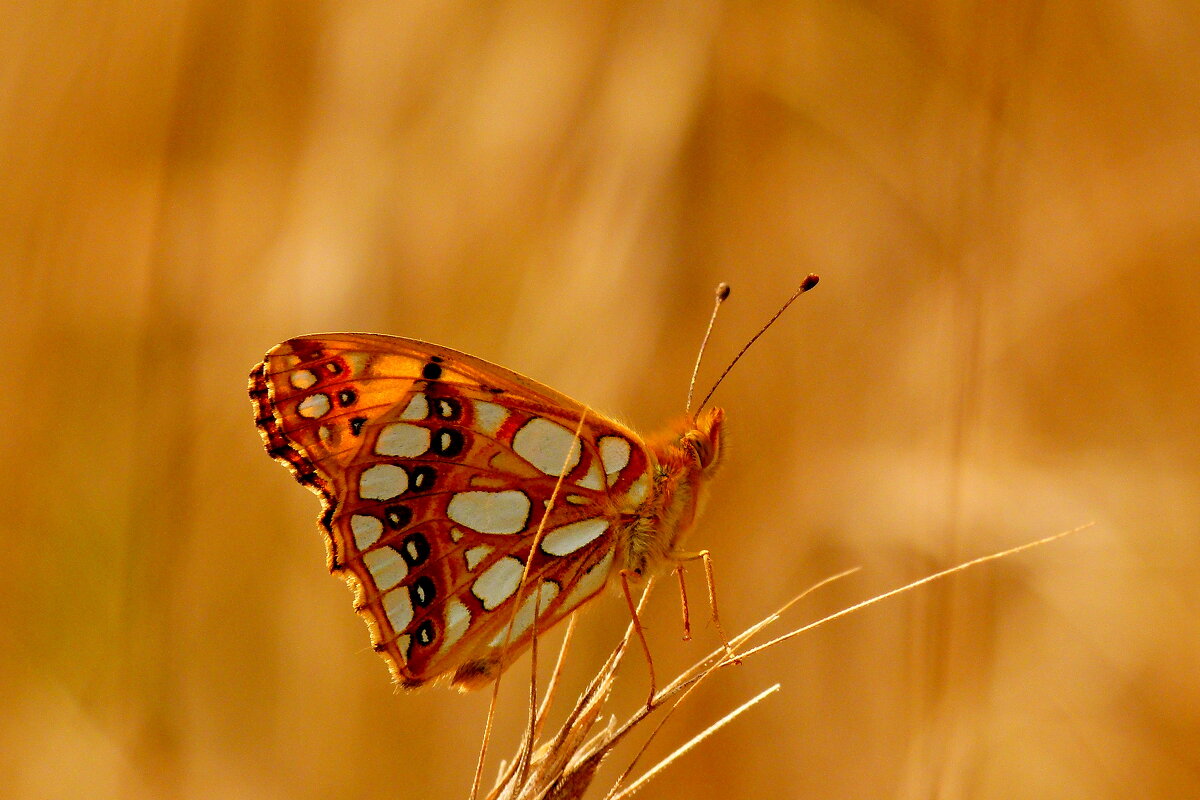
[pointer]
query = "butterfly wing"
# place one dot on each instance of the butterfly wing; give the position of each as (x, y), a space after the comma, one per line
(436, 470)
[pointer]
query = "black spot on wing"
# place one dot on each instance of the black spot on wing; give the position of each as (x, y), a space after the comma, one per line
(422, 591)
(448, 442)
(415, 549)
(398, 517)
(422, 479)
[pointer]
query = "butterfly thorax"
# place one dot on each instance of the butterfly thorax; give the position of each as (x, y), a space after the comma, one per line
(686, 457)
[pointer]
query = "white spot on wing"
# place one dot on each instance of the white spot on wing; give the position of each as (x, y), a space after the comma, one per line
(455, 534)
(614, 452)
(382, 482)
(488, 416)
(417, 408)
(386, 566)
(302, 379)
(458, 619)
(367, 530)
(314, 406)
(413, 549)
(547, 446)
(593, 479)
(403, 643)
(403, 440)
(398, 608)
(475, 555)
(357, 361)
(498, 582)
(568, 538)
(636, 495)
(490, 512)
(590, 582)
(539, 600)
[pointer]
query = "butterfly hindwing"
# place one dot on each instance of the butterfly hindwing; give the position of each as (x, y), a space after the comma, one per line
(436, 470)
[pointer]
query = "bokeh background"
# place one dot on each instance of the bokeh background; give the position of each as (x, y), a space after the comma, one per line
(1003, 202)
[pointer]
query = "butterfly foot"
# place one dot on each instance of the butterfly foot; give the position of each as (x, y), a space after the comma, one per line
(731, 657)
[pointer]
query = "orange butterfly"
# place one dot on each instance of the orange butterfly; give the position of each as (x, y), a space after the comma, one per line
(436, 470)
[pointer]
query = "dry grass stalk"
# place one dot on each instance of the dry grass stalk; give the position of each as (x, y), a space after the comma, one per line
(563, 767)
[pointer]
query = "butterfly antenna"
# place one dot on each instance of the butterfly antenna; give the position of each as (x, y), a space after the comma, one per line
(722, 293)
(808, 283)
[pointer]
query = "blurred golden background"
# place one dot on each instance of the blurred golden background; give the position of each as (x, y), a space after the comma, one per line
(1003, 203)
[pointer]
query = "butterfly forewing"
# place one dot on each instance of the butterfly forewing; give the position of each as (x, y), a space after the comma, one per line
(436, 470)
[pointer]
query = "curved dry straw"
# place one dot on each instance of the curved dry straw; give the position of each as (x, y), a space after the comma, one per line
(564, 766)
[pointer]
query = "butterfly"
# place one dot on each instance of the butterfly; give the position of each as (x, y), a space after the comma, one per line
(436, 471)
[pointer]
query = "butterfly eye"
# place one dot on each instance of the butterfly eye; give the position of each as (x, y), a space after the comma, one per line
(699, 446)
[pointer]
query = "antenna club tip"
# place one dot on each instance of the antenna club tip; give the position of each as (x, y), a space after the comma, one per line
(809, 282)
(723, 290)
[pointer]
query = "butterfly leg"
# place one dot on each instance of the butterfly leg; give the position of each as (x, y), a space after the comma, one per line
(683, 602)
(641, 634)
(705, 557)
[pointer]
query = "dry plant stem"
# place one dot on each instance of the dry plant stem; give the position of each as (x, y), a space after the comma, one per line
(556, 773)
(928, 579)
(714, 659)
(687, 682)
(566, 766)
(577, 760)
(691, 743)
(556, 673)
(506, 773)
(530, 730)
(537, 540)
(662, 722)
(691, 678)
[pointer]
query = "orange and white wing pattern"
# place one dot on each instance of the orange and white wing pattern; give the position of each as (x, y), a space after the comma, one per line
(436, 470)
